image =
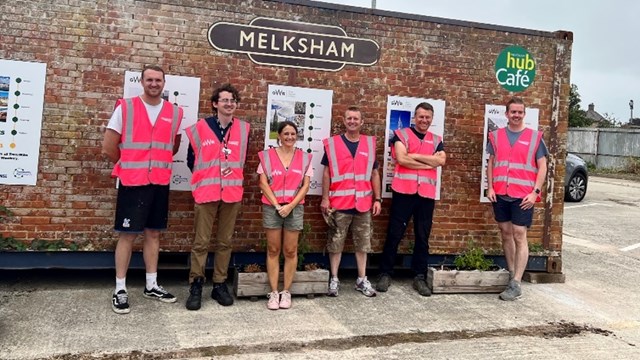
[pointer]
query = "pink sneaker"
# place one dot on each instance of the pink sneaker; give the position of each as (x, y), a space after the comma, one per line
(285, 299)
(274, 301)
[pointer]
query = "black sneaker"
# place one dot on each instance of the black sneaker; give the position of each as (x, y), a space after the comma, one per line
(383, 283)
(195, 294)
(421, 286)
(120, 302)
(220, 293)
(159, 293)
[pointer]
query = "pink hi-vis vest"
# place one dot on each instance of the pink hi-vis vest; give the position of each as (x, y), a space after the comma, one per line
(350, 176)
(146, 152)
(410, 181)
(284, 182)
(218, 168)
(515, 168)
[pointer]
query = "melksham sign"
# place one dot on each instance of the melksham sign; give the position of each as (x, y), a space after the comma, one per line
(294, 44)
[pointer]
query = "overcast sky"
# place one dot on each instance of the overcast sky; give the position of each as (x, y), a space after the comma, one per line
(605, 61)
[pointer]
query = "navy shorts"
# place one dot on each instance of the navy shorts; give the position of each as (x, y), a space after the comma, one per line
(142, 207)
(510, 211)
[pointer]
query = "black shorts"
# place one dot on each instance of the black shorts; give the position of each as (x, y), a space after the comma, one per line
(142, 207)
(510, 211)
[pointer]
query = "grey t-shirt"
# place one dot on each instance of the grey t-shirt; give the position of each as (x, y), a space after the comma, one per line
(513, 137)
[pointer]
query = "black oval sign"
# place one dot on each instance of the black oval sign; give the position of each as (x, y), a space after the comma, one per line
(294, 44)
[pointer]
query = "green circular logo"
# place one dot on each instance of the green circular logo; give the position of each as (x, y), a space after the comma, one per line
(515, 69)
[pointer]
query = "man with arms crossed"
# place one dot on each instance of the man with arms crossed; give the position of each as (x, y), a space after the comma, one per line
(141, 139)
(515, 173)
(351, 187)
(418, 153)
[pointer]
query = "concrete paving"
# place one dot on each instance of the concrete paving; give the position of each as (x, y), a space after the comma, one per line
(595, 314)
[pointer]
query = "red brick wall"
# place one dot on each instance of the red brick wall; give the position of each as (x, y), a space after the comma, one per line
(88, 45)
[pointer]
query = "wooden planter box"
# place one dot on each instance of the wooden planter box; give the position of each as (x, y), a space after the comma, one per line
(444, 281)
(304, 283)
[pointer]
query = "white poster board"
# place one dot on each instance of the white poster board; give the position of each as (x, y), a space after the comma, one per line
(400, 112)
(185, 92)
(310, 109)
(21, 105)
(494, 119)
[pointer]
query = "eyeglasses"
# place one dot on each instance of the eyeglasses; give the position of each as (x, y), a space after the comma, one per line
(228, 101)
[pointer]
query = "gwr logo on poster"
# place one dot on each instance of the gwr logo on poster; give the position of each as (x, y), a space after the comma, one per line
(294, 44)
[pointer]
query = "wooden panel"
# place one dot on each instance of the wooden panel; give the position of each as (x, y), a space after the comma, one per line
(304, 282)
(467, 281)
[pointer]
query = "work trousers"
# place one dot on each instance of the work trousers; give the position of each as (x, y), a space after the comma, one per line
(403, 208)
(205, 214)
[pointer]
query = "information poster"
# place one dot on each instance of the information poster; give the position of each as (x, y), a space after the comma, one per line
(185, 92)
(21, 105)
(400, 112)
(494, 119)
(310, 109)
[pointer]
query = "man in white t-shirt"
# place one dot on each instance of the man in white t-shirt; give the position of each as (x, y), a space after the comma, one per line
(141, 139)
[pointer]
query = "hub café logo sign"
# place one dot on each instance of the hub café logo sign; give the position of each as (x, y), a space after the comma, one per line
(515, 69)
(294, 44)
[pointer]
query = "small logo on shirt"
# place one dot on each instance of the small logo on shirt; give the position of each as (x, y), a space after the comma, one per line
(276, 173)
(297, 171)
(208, 142)
(363, 153)
(525, 143)
(125, 223)
(167, 119)
(234, 143)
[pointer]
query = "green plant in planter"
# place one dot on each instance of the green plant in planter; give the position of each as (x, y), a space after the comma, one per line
(473, 259)
(303, 244)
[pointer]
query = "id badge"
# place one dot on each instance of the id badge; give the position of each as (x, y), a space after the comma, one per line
(226, 171)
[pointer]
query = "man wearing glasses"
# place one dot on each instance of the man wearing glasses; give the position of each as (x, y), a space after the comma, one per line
(216, 157)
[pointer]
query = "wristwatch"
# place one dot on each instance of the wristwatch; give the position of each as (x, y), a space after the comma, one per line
(379, 200)
(537, 191)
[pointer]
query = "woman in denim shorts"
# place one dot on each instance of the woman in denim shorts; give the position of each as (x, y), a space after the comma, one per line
(284, 180)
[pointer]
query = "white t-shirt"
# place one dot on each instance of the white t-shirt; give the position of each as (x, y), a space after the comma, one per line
(115, 122)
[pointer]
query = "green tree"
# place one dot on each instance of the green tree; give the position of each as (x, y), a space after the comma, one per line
(577, 116)
(611, 121)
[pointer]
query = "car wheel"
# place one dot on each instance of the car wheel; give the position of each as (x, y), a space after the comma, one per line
(577, 188)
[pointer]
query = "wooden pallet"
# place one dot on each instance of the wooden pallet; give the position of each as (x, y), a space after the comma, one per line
(466, 281)
(304, 283)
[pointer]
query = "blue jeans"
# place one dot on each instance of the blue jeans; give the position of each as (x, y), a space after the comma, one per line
(403, 208)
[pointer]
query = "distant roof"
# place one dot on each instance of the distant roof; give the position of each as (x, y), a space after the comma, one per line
(592, 114)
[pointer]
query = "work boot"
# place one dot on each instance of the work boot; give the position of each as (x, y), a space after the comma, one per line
(220, 293)
(383, 283)
(420, 285)
(195, 294)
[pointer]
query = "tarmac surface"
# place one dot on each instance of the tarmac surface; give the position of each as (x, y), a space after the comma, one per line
(64, 314)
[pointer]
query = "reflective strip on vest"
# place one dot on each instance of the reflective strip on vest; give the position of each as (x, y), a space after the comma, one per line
(334, 164)
(267, 166)
(145, 164)
(243, 146)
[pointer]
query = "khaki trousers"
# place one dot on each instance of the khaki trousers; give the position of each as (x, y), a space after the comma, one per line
(205, 214)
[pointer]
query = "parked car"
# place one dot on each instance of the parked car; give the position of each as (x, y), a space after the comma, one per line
(576, 178)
